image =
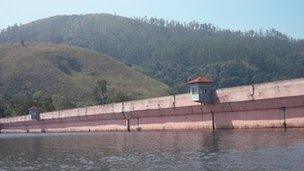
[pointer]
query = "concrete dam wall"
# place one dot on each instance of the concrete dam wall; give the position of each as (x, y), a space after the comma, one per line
(269, 105)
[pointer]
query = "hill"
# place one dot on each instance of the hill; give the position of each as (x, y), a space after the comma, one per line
(63, 76)
(174, 52)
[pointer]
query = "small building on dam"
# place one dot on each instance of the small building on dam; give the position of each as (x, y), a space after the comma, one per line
(269, 105)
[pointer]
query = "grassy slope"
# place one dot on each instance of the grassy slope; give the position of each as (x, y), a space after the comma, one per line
(34, 68)
(173, 53)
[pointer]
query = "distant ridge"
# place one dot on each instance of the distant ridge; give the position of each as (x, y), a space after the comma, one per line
(173, 52)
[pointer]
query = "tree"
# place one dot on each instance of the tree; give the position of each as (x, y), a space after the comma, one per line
(100, 92)
(119, 97)
(19, 104)
(44, 103)
(4, 112)
(60, 102)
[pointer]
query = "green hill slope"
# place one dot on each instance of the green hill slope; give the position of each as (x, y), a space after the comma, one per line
(64, 76)
(173, 52)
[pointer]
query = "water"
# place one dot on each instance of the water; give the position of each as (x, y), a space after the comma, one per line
(176, 150)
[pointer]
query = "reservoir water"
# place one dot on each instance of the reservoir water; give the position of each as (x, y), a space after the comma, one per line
(275, 149)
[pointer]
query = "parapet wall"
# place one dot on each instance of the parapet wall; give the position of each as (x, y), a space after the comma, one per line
(274, 104)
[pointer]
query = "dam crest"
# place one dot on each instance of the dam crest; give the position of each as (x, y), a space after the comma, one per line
(277, 104)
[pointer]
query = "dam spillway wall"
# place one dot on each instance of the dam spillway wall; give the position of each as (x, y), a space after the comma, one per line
(269, 105)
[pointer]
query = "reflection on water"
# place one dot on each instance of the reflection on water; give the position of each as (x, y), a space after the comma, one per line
(187, 150)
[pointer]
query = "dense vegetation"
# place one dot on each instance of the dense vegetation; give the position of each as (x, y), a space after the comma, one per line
(173, 52)
(62, 76)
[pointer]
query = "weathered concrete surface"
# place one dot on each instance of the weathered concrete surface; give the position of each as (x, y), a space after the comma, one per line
(270, 105)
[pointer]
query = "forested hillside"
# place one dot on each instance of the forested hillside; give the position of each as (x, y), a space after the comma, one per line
(173, 52)
(64, 76)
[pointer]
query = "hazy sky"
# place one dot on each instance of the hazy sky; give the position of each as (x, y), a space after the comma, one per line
(286, 16)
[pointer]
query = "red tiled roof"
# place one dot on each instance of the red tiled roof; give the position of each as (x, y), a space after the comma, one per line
(200, 80)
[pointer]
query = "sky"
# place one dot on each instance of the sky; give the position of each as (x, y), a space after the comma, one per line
(287, 16)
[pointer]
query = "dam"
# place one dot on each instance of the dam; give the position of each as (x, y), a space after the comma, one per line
(268, 105)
